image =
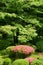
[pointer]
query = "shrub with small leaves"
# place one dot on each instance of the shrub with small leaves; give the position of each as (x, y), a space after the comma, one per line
(37, 62)
(25, 49)
(20, 62)
(21, 51)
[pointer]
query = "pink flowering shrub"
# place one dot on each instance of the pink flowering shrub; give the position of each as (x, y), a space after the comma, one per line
(30, 59)
(25, 49)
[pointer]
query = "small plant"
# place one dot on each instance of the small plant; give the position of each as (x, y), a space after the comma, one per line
(20, 62)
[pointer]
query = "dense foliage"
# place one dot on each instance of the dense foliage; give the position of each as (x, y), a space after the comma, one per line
(21, 32)
(19, 20)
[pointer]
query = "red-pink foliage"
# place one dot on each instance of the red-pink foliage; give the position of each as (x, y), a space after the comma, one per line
(25, 49)
(30, 59)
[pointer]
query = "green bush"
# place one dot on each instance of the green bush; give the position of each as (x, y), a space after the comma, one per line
(37, 62)
(40, 45)
(20, 62)
(7, 61)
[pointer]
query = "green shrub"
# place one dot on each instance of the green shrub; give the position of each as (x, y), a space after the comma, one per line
(37, 62)
(7, 61)
(40, 45)
(20, 62)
